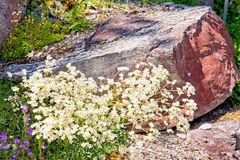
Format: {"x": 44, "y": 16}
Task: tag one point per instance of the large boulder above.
{"x": 192, "y": 43}
{"x": 11, "y": 11}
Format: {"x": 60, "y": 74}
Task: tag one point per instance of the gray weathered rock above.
{"x": 206, "y": 2}
{"x": 217, "y": 143}
{"x": 192, "y": 43}
{"x": 237, "y": 136}
{"x": 11, "y": 11}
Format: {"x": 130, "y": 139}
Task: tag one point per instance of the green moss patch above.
{"x": 31, "y": 34}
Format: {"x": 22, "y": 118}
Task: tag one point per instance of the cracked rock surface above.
{"x": 11, "y": 11}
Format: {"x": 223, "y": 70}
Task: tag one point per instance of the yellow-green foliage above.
{"x": 233, "y": 24}
{"x": 231, "y": 116}
{"x": 30, "y": 34}
{"x": 38, "y": 30}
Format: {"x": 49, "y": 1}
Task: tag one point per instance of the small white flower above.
{"x": 9, "y": 74}
{"x": 122, "y": 69}
{"x": 151, "y": 125}
{"x": 72, "y": 98}
{"x": 169, "y": 130}
{"x": 38, "y": 117}
{"x": 101, "y": 78}
{"x": 131, "y": 133}
{"x": 24, "y": 72}
{"x": 49, "y": 57}
{"x": 138, "y": 126}
{"x": 68, "y": 65}
{"x": 15, "y": 89}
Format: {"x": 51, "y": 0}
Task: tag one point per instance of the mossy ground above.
{"x": 37, "y": 30}
{"x": 7, "y": 118}
{"x": 31, "y": 34}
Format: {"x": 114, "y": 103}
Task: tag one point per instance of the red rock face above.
{"x": 7, "y": 18}
{"x": 205, "y": 59}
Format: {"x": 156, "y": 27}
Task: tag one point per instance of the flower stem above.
{"x": 40, "y": 147}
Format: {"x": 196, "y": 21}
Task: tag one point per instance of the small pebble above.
{"x": 205, "y": 126}
{"x": 181, "y": 135}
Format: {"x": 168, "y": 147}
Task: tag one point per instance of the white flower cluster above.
{"x": 68, "y": 104}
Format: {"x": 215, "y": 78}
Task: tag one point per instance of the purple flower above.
{"x": 4, "y": 146}
{"x": 14, "y": 156}
{"x": 25, "y": 142}
{"x": 24, "y": 108}
{"x": 24, "y": 146}
{"x": 29, "y": 131}
{"x": 43, "y": 146}
{"x": 27, "y": 119}
{"x": 29, "y": 152}
{"x": 16, "y": 141}
{"x": 3, "y": 137}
